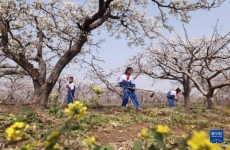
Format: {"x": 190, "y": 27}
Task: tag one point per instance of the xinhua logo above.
{"x": 216, "y": 136}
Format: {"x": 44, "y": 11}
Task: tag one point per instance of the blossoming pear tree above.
{"x": 42, "y": 37}
{"x": 203, "y": 62}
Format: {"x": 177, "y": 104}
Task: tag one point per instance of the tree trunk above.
{"x": 186, "y": 93}
{"x": 186, "y": 99}
{"x": 41, "y": 95}
{"x": 209, "y": 101}
{"x": 187, "y": 90}
{"x": 211, "y": 97}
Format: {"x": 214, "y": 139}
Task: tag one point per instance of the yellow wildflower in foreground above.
{"x": 144, "y": 134}
{"x": 201, "y": 140}
{"x": 27, "y": 127}
{"x": 53, "y": 96}
{"x": 36, "y": 143}
{"x": 57, "y": 146}
{"x": 77, "y": 109}
{"x": 34, "y": 127}
{"x": 183, "y": 135}
{"x": 54, "y": 135}
{"x": 90, "y": 142}
{"x": 97, "y": 90}
{"x": 26, "y": 146}
{"x": 162, "y": 129}
{"x": 14, "y": 132}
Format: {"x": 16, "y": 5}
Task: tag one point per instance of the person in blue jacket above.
{"x": 127, "y": 80}
{"x": 71, "y": 90}
{"x": 173, "y": 96}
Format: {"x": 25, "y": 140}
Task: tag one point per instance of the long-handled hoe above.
{"x": 153, "y": 92}
{"x": 143, "y": 90}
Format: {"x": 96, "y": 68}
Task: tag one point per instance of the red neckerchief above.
{"x": 127, "y": 79}
{"x": 177, "y": 93}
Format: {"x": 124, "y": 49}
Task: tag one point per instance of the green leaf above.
{"x": 137, "y": 145}
{"x": 66, "y": 148}
{"x": 75, "y": 127}
{"x": 152, "y": 147}
{"x": 108, "y": 147}
{"x": 159, "y": 138}
{"x": 98, "y": 147}
{"x": 157, "y": 135}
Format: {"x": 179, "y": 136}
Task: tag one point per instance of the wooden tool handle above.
{"x": 141, "y": 89}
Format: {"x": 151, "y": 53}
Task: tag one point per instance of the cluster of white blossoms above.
{"x": 63, "y": 20}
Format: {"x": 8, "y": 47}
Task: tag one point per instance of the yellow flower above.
{"x": 53, "y": 96}
{"x": 14, "y": 132}
{"x": 36, "y": 143}
{"x": 76, "y": 109}
{"x": 53, "y": 135}
{"x": 57, "y": 146}
{"x": 10, "y": 115}
{"x": 90, "y": 142}
{"x": 51, "y": 138}
{"x": 192, "y": 126}
{"x": 227, "y": 148}
{"x": 183, "y": 135}
{"x": 162, "y": 129}
{"x": 27, "y": 127}
{"x": 47, "y": 144}
{"x": 201, "y": 140}
{"x": 26, "y": 146}
{"x": 204, "y": 97}
{"x": 34, "y": 127}
{"x": 144, "y": 134}
{"x": 97, "y": 90}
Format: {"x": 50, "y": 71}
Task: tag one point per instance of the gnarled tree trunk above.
{"x": 210, "y": 99}
{"x": 187, "y": 90}
{"x": 211, "y": 96}
{"x": 186, "y": 98}
{"x": 41, "y": 94}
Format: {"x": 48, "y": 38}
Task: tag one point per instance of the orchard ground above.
{"x": 114, "y": 125}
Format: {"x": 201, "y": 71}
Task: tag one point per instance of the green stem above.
{"x": 68, "y": 131}
{"x": 29, "y": 136}
{"x": 145, "y": 145}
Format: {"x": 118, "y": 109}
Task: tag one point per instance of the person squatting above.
{"x": 127, "y": 80}
{"x": 173, "y": 96}
{"x": 70, "y": 91}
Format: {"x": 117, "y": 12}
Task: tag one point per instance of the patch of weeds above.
{"x": 177, "y": 119}
{"x": 197, "y": 112}
{"x": 130, "y": 109}
{"x": 178, "y": 108}
{"x": 126, "y": 119}
{"x": 56, "y": 107}
{"x": 20, "y": 118}
{"x": 197, "y": 122}
{"x": 83, "y": 100}
{"x": 215, "y": 124}
{"x": 56, "y": 110}
{"x": 143, "y": 118}
{"x": 97, "y": 119}
{"x": 31, "y": 116}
